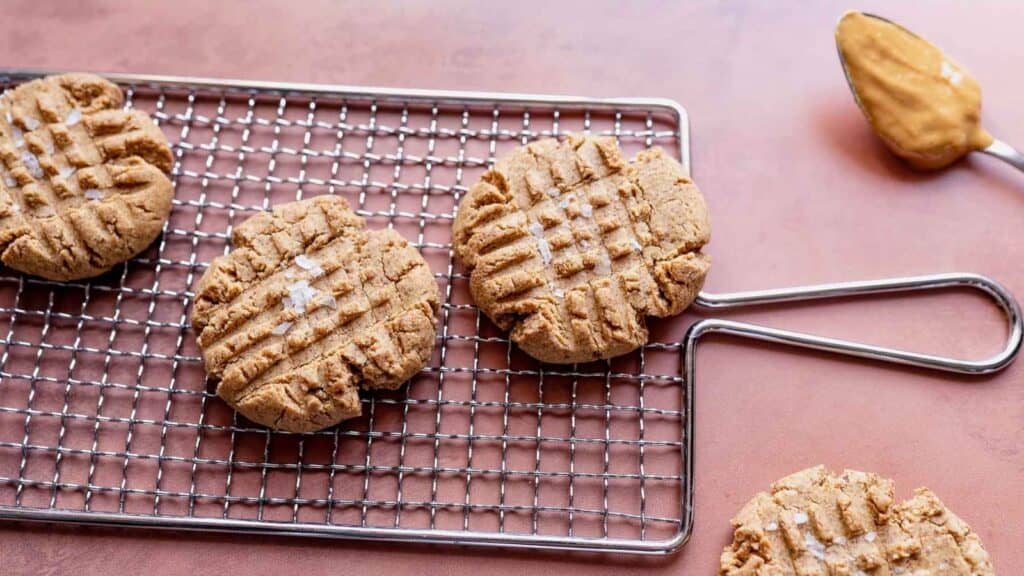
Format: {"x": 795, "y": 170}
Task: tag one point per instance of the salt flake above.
{"x": 31, "y": 123}
{"x": 7, "y": 116}
{"x": 329, "y": 301}
{"x": 800, "y": 518}
{"x": 281, "y": 328}
{"x": 587, "y": 210}
{"x": 309, "y": 264}
{"x": 300, "y": 294}
{"x": 604, "y": 266}
{"x": 554, "y": 192}
{"x": 814, "y": 546}
{"x": 545, "y": 250}
{"x": 18, "y": 135}
{"x": 635, "y": 245}
{"x": 94, "y": 194}
{"x": 9, "y": 181}
{"x": 952, "y": 74}
{"x": 73, "y": 117}
{"x": 67, "y": 171}
{"x": 536, "y": 229}
{"x": 870, "y": 537}
{"x": 772, "y": 527}
{"x": 32, "y": 164}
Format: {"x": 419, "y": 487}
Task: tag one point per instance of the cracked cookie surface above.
{"x": 309, "y": 308}
{"x": 82, "y": 181}
{"x": 570, "y": 247}
{"x": 816, "y": 523}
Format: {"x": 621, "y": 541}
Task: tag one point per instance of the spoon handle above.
{"x": 1006, "y": 153}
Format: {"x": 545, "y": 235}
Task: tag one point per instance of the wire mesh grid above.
{"x": 105, "y": 415}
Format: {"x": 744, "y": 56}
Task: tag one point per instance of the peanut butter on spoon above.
{"x": 925, "y": 107}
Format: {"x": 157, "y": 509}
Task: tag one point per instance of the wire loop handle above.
{"x": 994, "y": 363}
{"x": 1002, "y": 297}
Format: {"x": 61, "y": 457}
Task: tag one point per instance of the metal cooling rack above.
{"x": 105, "y": 416}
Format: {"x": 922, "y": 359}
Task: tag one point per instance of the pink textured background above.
{"x": 799, "y": 191}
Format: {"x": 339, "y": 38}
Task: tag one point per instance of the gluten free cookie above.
{"x": 82, "y": 181}
{"x": 308, "y": 309}
{"x": 570, "y": 247}
{"x": 816, "y": 523}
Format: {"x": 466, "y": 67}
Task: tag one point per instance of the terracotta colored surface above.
{"x": 799, "y": 192}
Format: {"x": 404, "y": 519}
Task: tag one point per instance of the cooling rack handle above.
{"x": 843, "y": 289}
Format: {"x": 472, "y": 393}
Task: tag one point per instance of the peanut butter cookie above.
{"x": 309, "y": 308}
{"x": 82, "y": 181}
{"x": 816, "y": 523}
{"x": 570, "y": 247}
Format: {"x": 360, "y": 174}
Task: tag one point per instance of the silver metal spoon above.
{"x": 997, "y": 148}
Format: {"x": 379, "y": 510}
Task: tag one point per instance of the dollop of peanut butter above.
{"x": 925, "y": 107}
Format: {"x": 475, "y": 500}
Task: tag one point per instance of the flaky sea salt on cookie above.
{"x": 308, "y": 309}
{"x": 570, "y": 247}
{"x": 814, "y": 523}
{"x": 82, "y": 181}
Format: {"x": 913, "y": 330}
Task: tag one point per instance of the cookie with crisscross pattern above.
{"x": 570, "y": 247}
{"x": 83, "y": 184}
{"x": 815, "y": 523}
{"x": 308, "y": 309}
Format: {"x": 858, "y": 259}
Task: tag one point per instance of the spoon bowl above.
{"x": 995, "y": 148}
